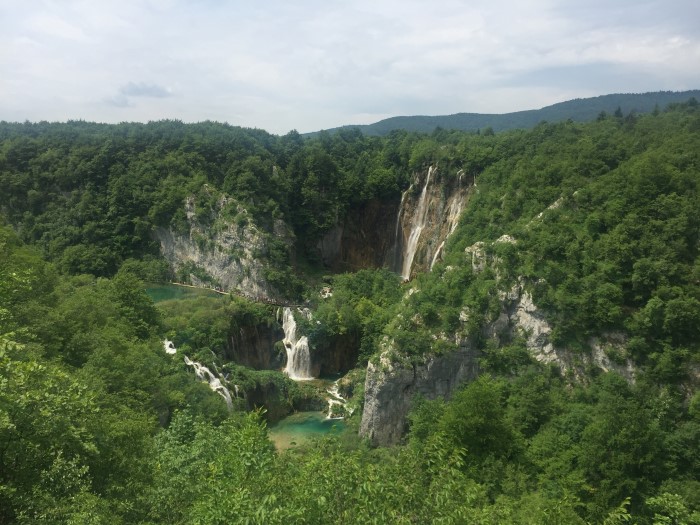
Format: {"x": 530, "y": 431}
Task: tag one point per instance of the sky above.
{"x": 316, "y": 64}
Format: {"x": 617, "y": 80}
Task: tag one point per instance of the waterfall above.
{"x": 169, "y": 347}
{"x": 398, "y": 237}
{"x": 437, "y": 255}
{"x": 204, "y": 374}
{"x": 337, "y": 400}
{"x": 298, "y": 355}
{"x": 417, "y": 225}
{"x": 453, "y": 212}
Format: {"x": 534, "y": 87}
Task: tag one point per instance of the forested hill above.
{"x": 589, "y": 232}
{"x": 578, "y": 110}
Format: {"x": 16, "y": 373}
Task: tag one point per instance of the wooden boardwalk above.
{"x": 238, "y": 293}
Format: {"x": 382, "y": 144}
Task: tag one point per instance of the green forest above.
{"x": 579, "y": 110}
{"x": 99, "y": 425}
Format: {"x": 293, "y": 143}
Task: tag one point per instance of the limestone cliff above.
{"x": 428, "y": 214}
{"x": 519, "y": 316}
{"x": 605, "y": 352}
{"x": 406, "y": 236}
{"x": 254, "y": 347}
{"x": 393, "y": 382}
{"x": 365, "y": 239}
{"x": 221, "y": 247}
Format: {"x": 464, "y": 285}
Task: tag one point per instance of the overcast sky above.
{"x": 309, "y": 65}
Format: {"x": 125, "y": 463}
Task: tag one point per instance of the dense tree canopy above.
{"x": 99, "y": 425}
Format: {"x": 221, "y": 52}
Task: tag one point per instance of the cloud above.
{"x": 141, "y": 89}
{"x": 276, "y": 66}
{"x": 118, "y": 101}
{"x": 123, "y": 99}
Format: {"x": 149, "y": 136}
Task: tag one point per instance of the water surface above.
{"x": 300, "y": 428}
{"x": 167, "y": 292}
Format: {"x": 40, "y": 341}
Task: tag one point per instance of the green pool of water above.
{"x": 167, "y": 292}
{"x": 301, "y": 427}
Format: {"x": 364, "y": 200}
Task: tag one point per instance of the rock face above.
{"x": 223, "y": 248}
{"x": 428, "y": 214}
{"x": 519, "y": 316}
{"x": 337, "y": 357}
{"x": 527, "y": 320}
{"x": 406, "y": 236}
{"x": 391, "y": 385}
{"x": 365, "y": 239}
{"x": 254, "y": 347}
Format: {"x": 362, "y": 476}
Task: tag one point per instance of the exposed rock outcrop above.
{"x": 391, "y": 385}
{"x": 406, "y": 236}
{"x": 520, "y": 316}
{"x": 222, "y": 247}
{"x": 254, "y": 347}
{"x": 606, "y": 352}
{"x": 365, "y": 239}
{"x": 427, "y": 217}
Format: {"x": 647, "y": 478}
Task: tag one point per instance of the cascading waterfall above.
{"x": 398, "y": 240}
{"x": 215, "y": 383}
{"x": 337, "y": 400}
{"x": 437, "y": 254}
{"x": 453, "y": 213}
{"x": 417, "y": 225}
{"x": 298, "y": 355}
{"x": 169, "y": 347}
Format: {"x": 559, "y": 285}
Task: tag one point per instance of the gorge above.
{"x": 524, "y": 351}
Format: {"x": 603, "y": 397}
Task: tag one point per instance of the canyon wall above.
{"x": 222, "y": 248}
{"x": 254, "y": 347}
{"x": 406, "y": 236}
{"x": 393, "y": 382}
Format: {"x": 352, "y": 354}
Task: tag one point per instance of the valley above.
{"x": 201, "y": 323}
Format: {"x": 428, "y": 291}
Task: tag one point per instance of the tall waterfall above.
{"x": 453, "y": 213}
{"x": 417, "y": 225}
{"x": 204, "y": 374}
{"x": 298, "y": 355}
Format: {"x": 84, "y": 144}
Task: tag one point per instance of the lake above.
{"x": 301, "y": 427}
{"x": 167, "y": 292}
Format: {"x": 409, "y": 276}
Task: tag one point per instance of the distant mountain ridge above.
{"x": 579, "y": 110}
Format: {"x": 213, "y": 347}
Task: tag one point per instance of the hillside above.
{"x": 508, "y": 323}
{"x": 578, "y": 110}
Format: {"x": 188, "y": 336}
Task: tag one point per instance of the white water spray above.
{"x": 417, "y": 225}
{"x": 437, "y": 255}
{"x": 453, "y": 213}
{"x": 298, "y": 355}
{"x": 204, "y": 374}
{"x": 169, "y": 347}
{"x": 337, "y": 400}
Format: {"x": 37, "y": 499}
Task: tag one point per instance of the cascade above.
{"x": 417, "y": 224}
{"x": 453, "y": 213}
{"x": 204, "y": 374}
{"x": 169, "y": 347}
{"x": 437, "y": 254}
{"x": 398, "y": 241}
{"x": 298, "y": 354}
{"x": 337, "y": 400}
